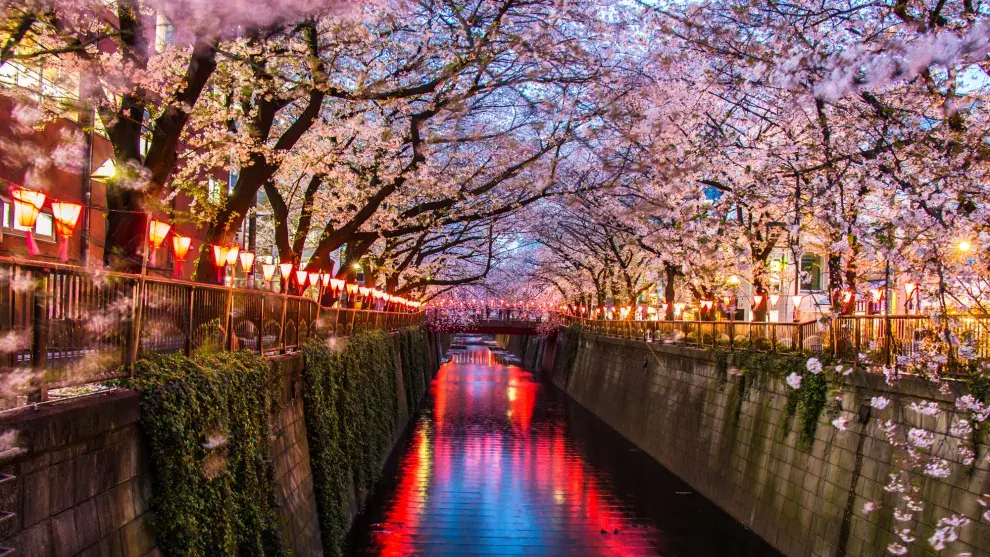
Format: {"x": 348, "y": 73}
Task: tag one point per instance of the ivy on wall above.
{"x": 206, "y": 418}
{"x": 351, "y": 403}
{"x": 806, "y": 402}
{"x": 567, "y": 344}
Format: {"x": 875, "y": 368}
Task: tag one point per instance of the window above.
{"x": 811, "y": 273}
{"x": 44, "y": 227}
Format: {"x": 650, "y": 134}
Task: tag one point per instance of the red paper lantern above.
{"x": 247, "y": 261}
{"x": 180, "y": 248}
{"x": 268, "y": 271}
{"x": 66, "y": 217}
{"x": 27, "y": 206}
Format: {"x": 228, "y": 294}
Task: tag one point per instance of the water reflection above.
{"x": 494, "y": 467}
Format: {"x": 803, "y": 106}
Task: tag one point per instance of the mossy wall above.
{"x": 358, "y": 395}
{"x": 211, "y": 454}
{"x": 772, "y": 459}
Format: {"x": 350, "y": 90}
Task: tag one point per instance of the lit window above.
{"x": 811, "y": 273}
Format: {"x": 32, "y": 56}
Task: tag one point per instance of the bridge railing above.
{"x": 857, "y": 339}
{"x": 64, "y": 327}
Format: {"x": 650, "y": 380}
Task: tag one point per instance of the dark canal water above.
{"x": 502, "y": 464}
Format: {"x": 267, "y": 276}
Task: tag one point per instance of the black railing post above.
{"x": 190, "y": 321}
{"x": 39, "y": 345}
{"x": 261, "y": 325}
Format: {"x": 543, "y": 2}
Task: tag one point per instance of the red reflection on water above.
{"x": 482, "y": 475}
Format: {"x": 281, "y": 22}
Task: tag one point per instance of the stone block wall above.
{"x": 742, "y": 452}
{"x": 78, "y": 482}
{"x": 294, "y": 494}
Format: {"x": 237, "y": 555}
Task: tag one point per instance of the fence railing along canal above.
{"x": 63, "y": 326}
{"x": 856, "y": 339}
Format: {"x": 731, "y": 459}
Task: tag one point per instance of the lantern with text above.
{"x": 157, "y": 231}
{"x": 27, "y": 206}
{"x": 66, "y": 217}
{"x": 180, "y": 249}
{"x": 220, "y": 261}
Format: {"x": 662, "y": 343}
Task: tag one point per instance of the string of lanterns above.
{"x": 28, "y": 205}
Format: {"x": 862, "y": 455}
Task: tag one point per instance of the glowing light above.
{"x": 314, "y": 279}
{"x": 247, "y": 261}
{"x": 27, "y": 205}
{"x": 232, "y": 253}
{"x": 285, "y": 269}
{"x": 774, "y": 298}
{"x": 66, "y": 216}
{"x": 964, "y": 246}
{"x": 798, "y": 298}
{"x": 336, "y": 284}
{"x": 352, "y": 289}
{"x": 157, "y": 231}
{"x": 268, "y": 271}
{"x": 325, "y": 279}
{"x": 301, "y": 277}
{"x": 876, "y": 293}
{"x": 733, "y": 281}
{"x": 180, "y": 249}
{"x": 219, "y": 255}
{"x": 757, "y": 300}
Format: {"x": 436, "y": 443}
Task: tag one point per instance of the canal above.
{"x": 499, "y": 463}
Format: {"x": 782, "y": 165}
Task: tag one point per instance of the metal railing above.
{"x": 63, "y": 326}
{"x": 857, "y": 339}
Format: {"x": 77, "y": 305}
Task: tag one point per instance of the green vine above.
{"x": 351, "y": 402}
{"x": 206, "y": 418}
{"x": 807, "y": 402}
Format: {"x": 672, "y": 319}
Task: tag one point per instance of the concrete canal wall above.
{"x": 742, "y": 452}
{"x": 79, "y": 480}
